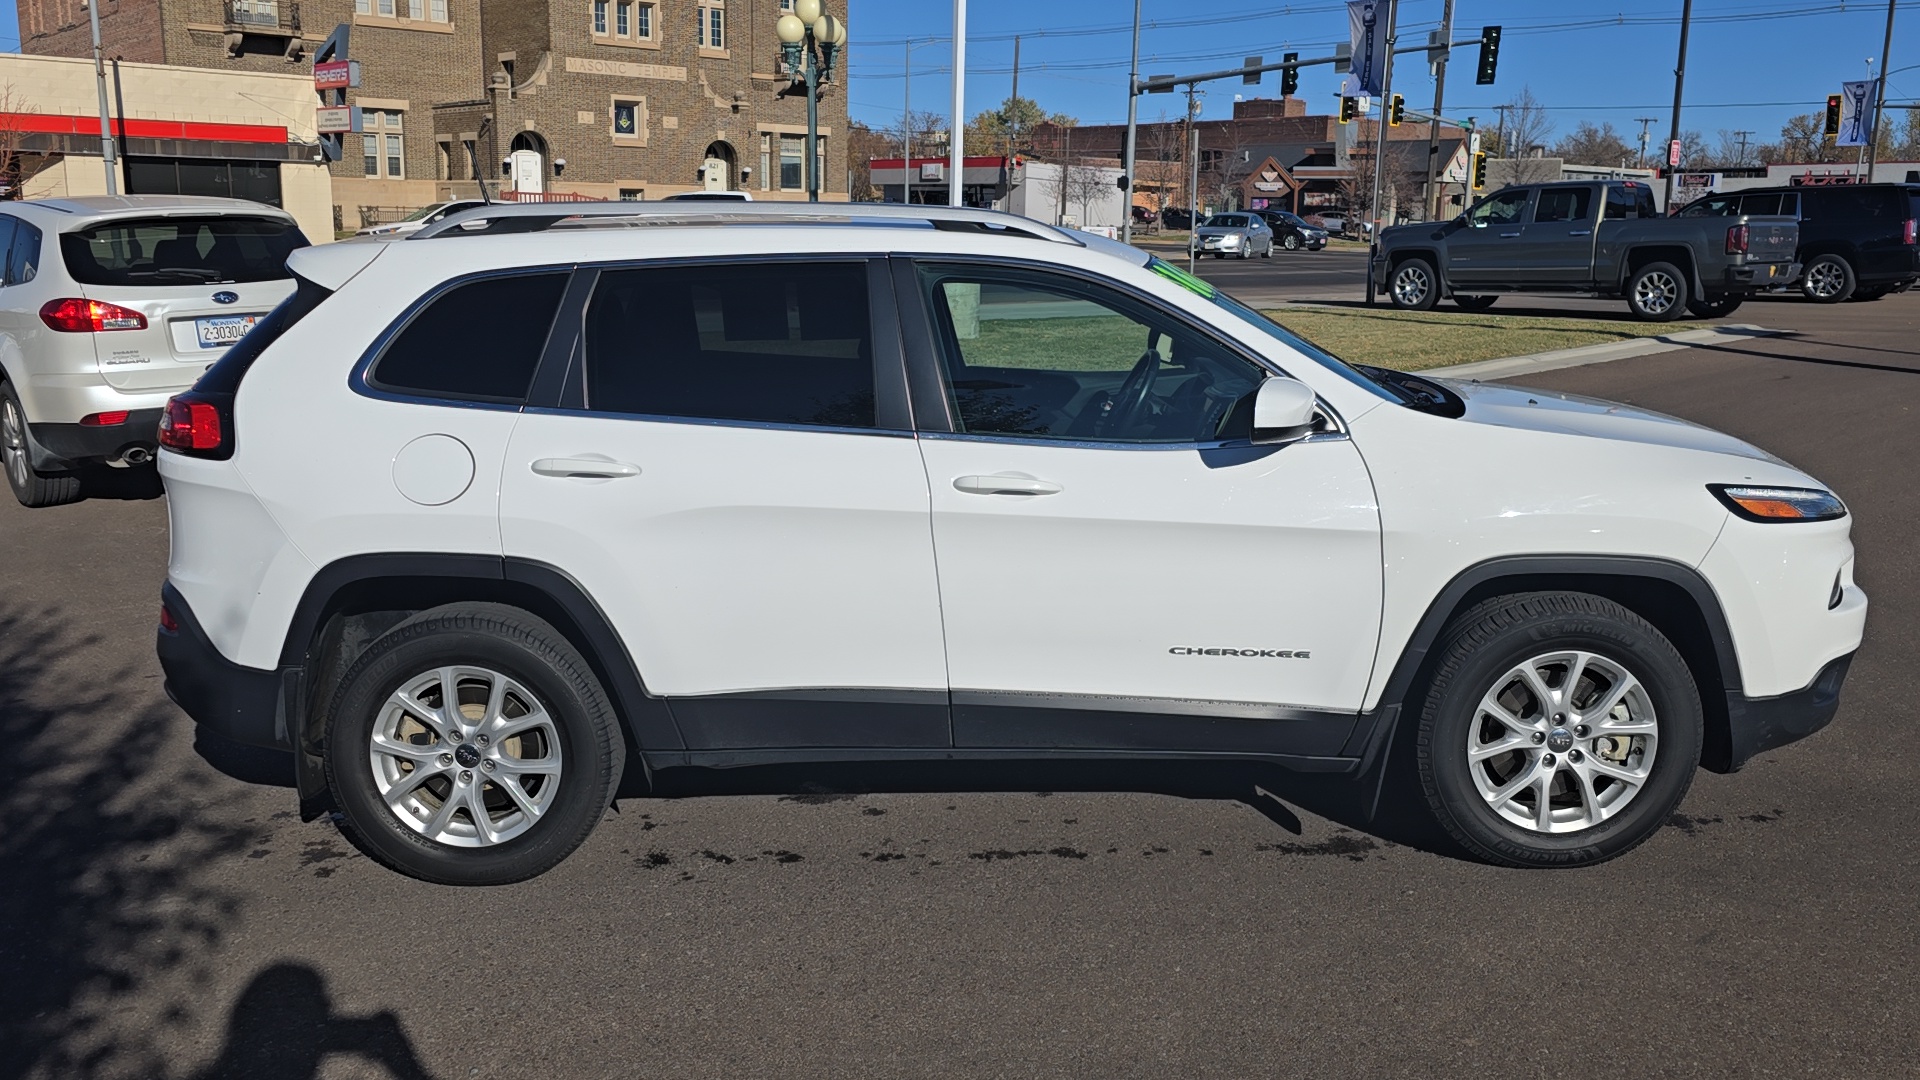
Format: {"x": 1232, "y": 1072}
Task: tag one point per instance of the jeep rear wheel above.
{"x": 472, "y": 745}
{"x": 1560, "y": 729}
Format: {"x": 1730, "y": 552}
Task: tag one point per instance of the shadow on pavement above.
{"x": 133, "y": 484}
{"x": 100, "y": 850}
{"x": 1708, "y": 347}
{"x": 283, "y": 1026}
{"x": 258, "y": 765}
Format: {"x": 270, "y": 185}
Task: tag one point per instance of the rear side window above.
{"x": 23, "y": 264}
{"x": 1761, "y": 205}
{"x": 1563, "y": 204}
{"x": 773, "y": 343}
{"x": 181, "y": 251}
{"x": 6, "y": 239}
{"x": 478, "y": 341}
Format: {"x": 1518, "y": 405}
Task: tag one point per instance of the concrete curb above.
{"x": 1508, "y": 366}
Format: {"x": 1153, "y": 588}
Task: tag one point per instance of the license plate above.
{"x": 223, "y": 330}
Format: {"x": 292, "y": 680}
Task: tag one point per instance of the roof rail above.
{"x": 499, "y": 218}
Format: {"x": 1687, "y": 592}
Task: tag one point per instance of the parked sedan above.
{"x": 1241, "y": 234}
{"x": 1292, "y": 232}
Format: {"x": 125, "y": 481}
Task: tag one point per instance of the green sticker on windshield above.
{"x": 1182, "y": 278}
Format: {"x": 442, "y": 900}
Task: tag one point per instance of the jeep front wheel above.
{"x": 1560, "y": 729}
{"x": 472, "y": 745}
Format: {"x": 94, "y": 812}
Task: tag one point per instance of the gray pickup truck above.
{"x": 1586, "y": 239}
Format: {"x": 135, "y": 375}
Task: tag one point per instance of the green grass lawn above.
{"x": 1411, "y": 340}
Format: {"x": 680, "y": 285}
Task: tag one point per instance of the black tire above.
{"x": 1828, "y": 279}
{"x": 1291, "y": 241}
{"x": 509, "y": 643}
{"x": 1657, "y": 292}
{"x": 34, "y": 489}
{"x": 1479, "y": 653}
{"x": 1474, "y": 303}
{"x": 1867, "y": 296}
{"x": 1702, "y": 308}
{"x": 1220, "y": 255}
{"x": 1413, "y": 285}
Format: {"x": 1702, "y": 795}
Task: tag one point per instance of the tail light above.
{"x": 1913, "y": 228}
{"x": 1737, "y": 240}
{"x": 72, "y": 315}
{"x": 169, "y": 622}
{"x": 195, "y": 424}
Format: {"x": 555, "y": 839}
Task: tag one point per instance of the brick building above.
{"x": 599, "y": 98}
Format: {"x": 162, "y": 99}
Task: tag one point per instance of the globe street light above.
{"x": 809, "y": 38}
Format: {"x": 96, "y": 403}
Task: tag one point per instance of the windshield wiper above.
{"x": 195, "y": 273}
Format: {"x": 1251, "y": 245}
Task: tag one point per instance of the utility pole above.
{"x": 100, "y": 81}
{"x": 1380, "y": 131}
{"x": 1880, "y": 94}
{"x": 1501, "y": 131}
{"x": 1193, "y": 175}
{"x": 1679, "y": 85}
{"x": 1742, "y": 160}
{"x": 957, "y": 141}
{"x": 1133, "y": 128}
{"x": 1644, "y": 122}
{"x": 1860, "y": 159}
{"x": 1439, "y": 101}
{"x": 906, "y": 130}
{"x": 1013, "y": 121}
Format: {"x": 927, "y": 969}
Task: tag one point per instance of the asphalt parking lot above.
{"x": 166, "y": 915}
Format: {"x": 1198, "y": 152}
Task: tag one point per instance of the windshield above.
{"x": 181, "y": 251}
{"x": 1274, "y": 330}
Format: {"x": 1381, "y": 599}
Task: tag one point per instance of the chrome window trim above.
{"x": 707, "y": 421}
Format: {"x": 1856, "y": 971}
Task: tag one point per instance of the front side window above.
{"x": 181, "y": 251}
{"x": 1504, "y": 208}
{"x": 1564, "y": 204}
{"x": 1712, "y": 206}
{"x": 763, "y": 343}
{"x": 1039, "y": 355}
{"x": 477, "y": 341}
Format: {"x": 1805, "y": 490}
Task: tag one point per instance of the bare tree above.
{"x": 1526, "y": 126}
{"x": 1591, "y": 145}
{"x": 16, "y": 162}
{"x": 1084, "y": 183}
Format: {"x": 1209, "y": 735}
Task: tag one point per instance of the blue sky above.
{"x": 1753, "y": 63}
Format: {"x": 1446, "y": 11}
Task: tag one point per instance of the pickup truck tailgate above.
{"x": 1772, "y": 239}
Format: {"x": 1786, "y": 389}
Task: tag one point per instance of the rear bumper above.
{"x": 1757, "y": 276}
{"x": 61, "y": 445}
{"x": 240, "y": 703}
{"x": 1756, "y": 725}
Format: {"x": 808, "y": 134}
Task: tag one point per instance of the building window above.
{"x": 437, "y": 10}
{"x": 623, "y": 19}
{"x": 386, "y": 8}
{"x": 363, "y": 7}
{"x": 370, "y": 154}
{"x": 600, "y": 17}
{"x": 632, "y": 194}
{"x": 382, "y": 133}
{"x": 643, "y": 21}
{"x": 793, "y": 158}
{"x": 629, "y": 120}
{"x": 712, "y": 25}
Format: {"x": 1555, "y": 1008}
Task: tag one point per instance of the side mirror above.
{"x": 1283, "y": 412}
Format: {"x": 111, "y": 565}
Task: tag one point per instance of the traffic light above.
{"x": 1349, "y": 108}
{"x": 1489, "y": 55}
{"x": 1480, "y": 171}
{"x": 1289, "y": 77}
{"x": 1396, "y": 111}
{"x": 1833, "y": 115}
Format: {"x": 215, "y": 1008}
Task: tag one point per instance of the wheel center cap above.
{"x": 468, "y": 757}
{"x": 1559, "y": 740}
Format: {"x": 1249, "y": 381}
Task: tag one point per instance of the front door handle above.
{"x": 1005, "y": 485}
{"x": 585, "y": 468}
{"x": 1508, "y": 235}
{"x": 1580, "y": 232}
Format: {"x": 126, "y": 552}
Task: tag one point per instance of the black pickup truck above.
{"x": 1586, "y": 239}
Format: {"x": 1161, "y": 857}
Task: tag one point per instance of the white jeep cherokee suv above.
{"x": 110, "y": 304}
{"x": 476, "y": 515}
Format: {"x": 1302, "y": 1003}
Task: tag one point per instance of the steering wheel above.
{"x": 1131, "y": 398}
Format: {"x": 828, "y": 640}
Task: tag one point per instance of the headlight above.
{"x": 1780, "y": 503}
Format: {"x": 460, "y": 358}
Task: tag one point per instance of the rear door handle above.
{"x": 1508, "y": 235}
{"x": 585, "y": 468}
{"x": 1580, "y": 232}
{"x": 1005, "y": 485}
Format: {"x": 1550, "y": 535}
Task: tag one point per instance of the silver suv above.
{"x": 107, "y": 306}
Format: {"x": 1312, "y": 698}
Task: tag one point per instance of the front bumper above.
{"x": 1756, "y": 725}
{"x": 240, "y": 703}
{"x": 59, "y": 446}
{"x": 1754, "y": 277}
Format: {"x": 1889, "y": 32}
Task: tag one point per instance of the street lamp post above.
{"x": 809, "y": 38}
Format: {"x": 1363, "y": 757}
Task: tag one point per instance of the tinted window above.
{"x": 181, "y": 251}
{"x": 772, "y": 343}
{"x": 1621, "y": 203}
{"x": 1765, "y": 205}
{"x": 23, "y": 265}
{"x": 481, "y": 340}
{"x": 1504, "y": 208}
{"x": 1643, "y": 202}
{"x": 1860, "y": 203}
{"x": 1564, "y": 204}
{"x": 6, "y": 239}
{"x": 1706, "y": 206}
{"x": 1041, "y": 355}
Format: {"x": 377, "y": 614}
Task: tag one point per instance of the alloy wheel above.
{"x": 13, "y": 444}
{"x": 466, "y": 756}
{"x": 1562, "y": 742}
{"x": 1411, "y": 284}
{"x": 1656, "y": 293}
{"x": 1826, "y": 280}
